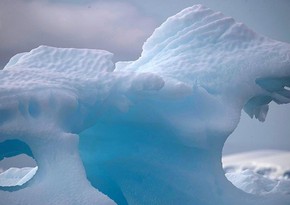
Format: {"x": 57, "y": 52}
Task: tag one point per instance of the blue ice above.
{"x": 145, "y": 132}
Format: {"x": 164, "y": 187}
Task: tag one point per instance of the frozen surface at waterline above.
{"x": 259, "y": 172}
{"x": 16, "y": 176}
{"x": 144, "y": 132}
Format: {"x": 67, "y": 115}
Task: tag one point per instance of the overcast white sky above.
{"x": 122, "y": 26}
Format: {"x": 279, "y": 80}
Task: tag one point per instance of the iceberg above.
{"x": 16, "y": 176}
{"x": 254, "y": 183}
{"x": 145, "y": 132}
{"x": 259, "y": 172}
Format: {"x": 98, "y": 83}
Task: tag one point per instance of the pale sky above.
{"x": 121, "y": 27}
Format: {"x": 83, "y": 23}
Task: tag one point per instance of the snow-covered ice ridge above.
{"x": 259, "y": 161}
{"x": 259, "y": 172}
{"x": 16, "y": 176}
{"x": 144, "y": 132}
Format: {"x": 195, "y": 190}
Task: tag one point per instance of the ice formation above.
{"x": 144, "y": 132}
{"x": 17, "y": 176}
{"x": 259, "y": 172}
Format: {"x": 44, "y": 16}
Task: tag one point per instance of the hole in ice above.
{"x": 17, "y": 165}
{"x": 255, "y": 155}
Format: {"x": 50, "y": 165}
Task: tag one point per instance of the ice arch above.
{"x": 152, "y": 130}
{"x": 16, "y": 178}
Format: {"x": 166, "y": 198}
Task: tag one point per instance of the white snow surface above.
{"x": 278, "y": 162}
{"x": 259, "y": 172}
{"x": 16, "y": 176}
{"x": 146, "y": 132}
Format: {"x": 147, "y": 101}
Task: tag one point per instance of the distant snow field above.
{"x": 17, "y": 176}
{"x": 259, "y": 172}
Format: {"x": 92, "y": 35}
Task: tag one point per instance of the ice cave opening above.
{"x": 252, "y": 160}
{"x": 18, "y": 165}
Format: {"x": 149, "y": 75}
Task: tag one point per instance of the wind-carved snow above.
{"x": 16, "y": 176}
{"x": 259, "y": 172}
{"x": 151, "y": 131}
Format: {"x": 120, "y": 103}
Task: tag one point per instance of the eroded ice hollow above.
{"x": 144, "y": 132}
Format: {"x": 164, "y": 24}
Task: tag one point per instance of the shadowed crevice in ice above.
{"x": 150, "y": 131}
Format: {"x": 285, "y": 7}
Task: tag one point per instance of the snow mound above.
{"x": 149, "y": 131}
{"x": 271, "y": 163}
{"x": 16, "y": 176}
{"x": 254, "y": 183}
{"x": 259, "y": 172}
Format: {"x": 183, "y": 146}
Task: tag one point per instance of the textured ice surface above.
{"x": 259, "y": 172}
{"x": 254, "y": 183}
{"x": 44, "y": 106}
{"x": 271, "y": 163}
{"x": 16, "y": 176}
{"x": 150, "y": 131}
